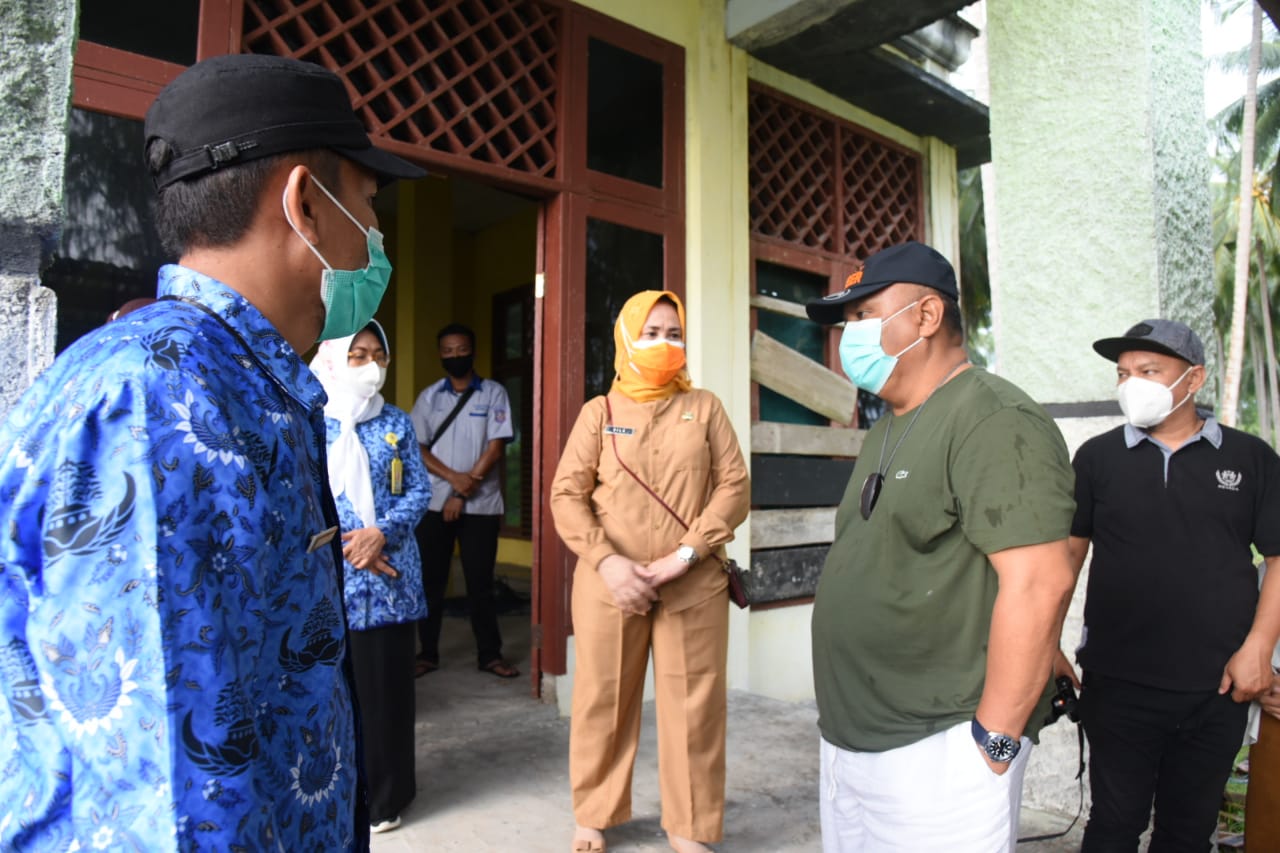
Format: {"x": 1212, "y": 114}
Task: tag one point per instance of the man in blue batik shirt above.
{"x": 172, "y": 653}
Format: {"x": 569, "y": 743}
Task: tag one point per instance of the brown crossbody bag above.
{"x": 737, "y": 589}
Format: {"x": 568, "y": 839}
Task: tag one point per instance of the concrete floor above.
{"x": 492, "y": 769}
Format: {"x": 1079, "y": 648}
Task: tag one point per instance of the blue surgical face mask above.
{"x": 863, "y": 359}
{"x": 350, "y": 296}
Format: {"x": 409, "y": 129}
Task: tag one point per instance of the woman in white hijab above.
{"x": 382, "y": 490}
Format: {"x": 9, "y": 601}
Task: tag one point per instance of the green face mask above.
{"x": 350, "y": 296}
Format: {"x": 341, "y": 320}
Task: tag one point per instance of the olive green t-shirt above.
{"x": 903, "y": 606}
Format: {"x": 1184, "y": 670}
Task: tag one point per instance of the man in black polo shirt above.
{"x": 1177, "y": 637}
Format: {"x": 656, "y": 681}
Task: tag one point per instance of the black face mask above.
{"x": 458, "y": 366}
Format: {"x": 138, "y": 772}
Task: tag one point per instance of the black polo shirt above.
{"x": 1172, "y": 584}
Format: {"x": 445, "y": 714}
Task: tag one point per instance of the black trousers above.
{"x": 477, "y": 538}
{"x": 383, "y": 662}
{"x": 1150, "y": 745}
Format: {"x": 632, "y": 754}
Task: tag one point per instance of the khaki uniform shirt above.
{"x": 685, "y": 449}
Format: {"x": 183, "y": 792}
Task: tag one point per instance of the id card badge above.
{"x": 319, "y": 540}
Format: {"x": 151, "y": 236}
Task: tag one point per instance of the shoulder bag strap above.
{"x": 609, "y": 411}
{"x": 457, "y": 407}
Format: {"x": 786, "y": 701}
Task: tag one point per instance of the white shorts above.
{"x": 935, "y": 794}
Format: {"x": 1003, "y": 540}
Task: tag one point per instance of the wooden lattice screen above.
{"x": 820, "y": 183}
{"x": 471, "y": 78}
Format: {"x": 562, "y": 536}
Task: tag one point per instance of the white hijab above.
{"x": 353, "y": 399}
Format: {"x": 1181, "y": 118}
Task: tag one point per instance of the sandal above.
{"x": 588, "y": 846}
{"x": 422, "y": 666}
{"x": 500, "y": 668}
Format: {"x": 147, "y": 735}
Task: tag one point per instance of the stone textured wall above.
{"x": 1102, "y": 207}
{"x": 36, "y": 42}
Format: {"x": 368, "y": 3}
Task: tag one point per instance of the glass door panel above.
{"x": 620, "y": 261}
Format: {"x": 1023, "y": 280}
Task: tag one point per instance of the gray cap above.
{"x": 1163, "y": 336}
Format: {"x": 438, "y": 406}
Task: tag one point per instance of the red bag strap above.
{"x": 613, "y": 435}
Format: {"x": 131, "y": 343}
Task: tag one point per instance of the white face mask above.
{"x": 364, "y": 381}
{"x": 1146, "y": 403}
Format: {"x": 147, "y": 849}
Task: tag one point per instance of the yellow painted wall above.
{"x": 444, "y": 275}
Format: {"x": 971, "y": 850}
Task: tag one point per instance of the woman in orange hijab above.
{"x": 649, "y": 488}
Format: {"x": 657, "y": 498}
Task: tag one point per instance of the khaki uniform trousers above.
{"x": 611, "y": 651}
{"x": 1262, "y": 800}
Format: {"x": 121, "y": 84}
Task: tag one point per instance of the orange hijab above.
{"x": 628, "y": 379}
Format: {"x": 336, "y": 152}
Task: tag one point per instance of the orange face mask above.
{"x": 657, "y": 361}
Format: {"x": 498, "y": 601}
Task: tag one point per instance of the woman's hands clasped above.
{"x": 635, "y": 586}
{"x": 631, "y": 592}
{"x": 362, "y": 548}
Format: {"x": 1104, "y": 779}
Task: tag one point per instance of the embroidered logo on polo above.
{"x": 902, "y": 475}
{"x": 1229, "y": 480}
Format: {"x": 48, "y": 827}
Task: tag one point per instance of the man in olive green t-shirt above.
{"x": 937, "y": 615}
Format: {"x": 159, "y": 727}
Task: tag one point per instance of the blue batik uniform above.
{"x": 171, "y": 626}
{"x": 374, "y": 600}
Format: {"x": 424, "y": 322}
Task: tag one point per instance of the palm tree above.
{"x": 1244, "y": 231}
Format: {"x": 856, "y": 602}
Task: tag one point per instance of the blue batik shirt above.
{"x": 171, "y": 625}
{"x": 374, "y": 600}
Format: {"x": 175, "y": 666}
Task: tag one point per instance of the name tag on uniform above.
{"x": 319, "y": 540}
{"x": 617, "y": 430}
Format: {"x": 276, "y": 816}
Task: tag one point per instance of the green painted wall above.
{"x": 1101, "y": 187}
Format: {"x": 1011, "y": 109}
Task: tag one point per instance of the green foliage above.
{"x": 1259, "y": 412}
{"x": 975, "y": 280}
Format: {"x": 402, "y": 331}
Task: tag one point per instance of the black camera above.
{"x": 1064, "y": 702}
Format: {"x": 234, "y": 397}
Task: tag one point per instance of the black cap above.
{"x": 909, "y": 262}
{"x": 1163, "y": 336}
{"x": 232, "y": 109}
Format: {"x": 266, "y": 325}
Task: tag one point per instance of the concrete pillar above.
{"x": 1101, "y": 203}
{"x": 36, "y": 41}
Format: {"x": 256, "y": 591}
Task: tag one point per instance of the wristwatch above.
{"x": 1000, "y": 748}
{"x": 687, "y": 554}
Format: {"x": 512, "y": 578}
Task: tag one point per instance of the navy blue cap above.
{"x": 232, "y": 109}
{"x": 910, "y": 263}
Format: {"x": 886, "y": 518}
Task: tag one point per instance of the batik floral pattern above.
{"x": 171, "y": 645}
{"x": 374, "y": 600}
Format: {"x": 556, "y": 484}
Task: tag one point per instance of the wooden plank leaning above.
{"x": 782, "y": 369}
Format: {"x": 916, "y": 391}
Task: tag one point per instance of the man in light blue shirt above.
{"x": 173, "y": 662}
{"x": 462, "y": 423}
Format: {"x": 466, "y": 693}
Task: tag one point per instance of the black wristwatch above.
{"x": 999, "y": 747}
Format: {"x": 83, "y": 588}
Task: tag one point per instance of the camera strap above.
{"x": 1079, "y": 782}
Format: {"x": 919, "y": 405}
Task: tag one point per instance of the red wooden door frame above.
{"x": 124, "y": 84}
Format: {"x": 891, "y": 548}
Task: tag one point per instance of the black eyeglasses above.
{"x": 871, "y": 493}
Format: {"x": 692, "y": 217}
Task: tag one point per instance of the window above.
{"x": 624, "y": 113}
{"x": 804, "y": 336}
{"x": 160, "y": 29}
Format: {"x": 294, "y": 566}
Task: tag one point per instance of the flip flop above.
{"x": 500, "y": 668}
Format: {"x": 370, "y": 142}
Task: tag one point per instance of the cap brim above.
{"x": 385, "y": 165}
{"x": 829, "y": 310}
{"x": 1112, "y": 348}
